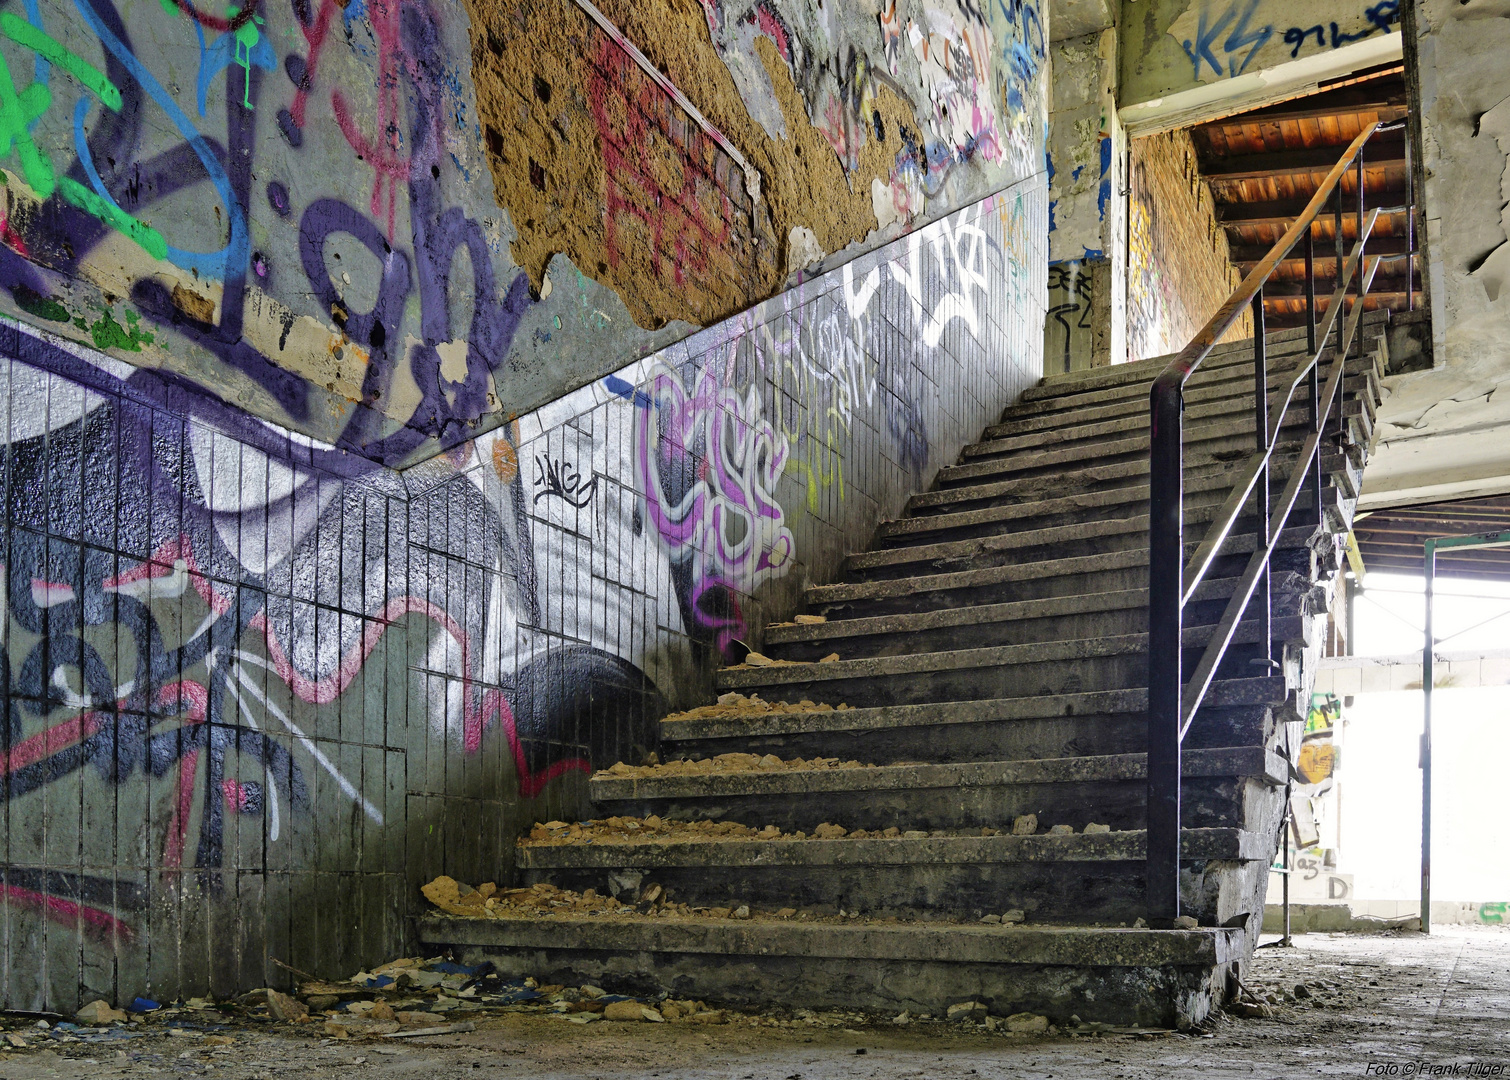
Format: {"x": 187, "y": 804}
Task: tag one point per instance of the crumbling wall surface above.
{"x": 852, "y": 117}
{"x": 291, "y": 205}
{"x": 1087, "y": 207}
{"x": 260, "y": 689}
{"x": 1178, "y": 270}
{"x": 1439, "y": 432}
{"x": 1233, "y": 47}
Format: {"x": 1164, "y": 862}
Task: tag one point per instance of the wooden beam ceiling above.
{"x": 1249, "y": 255}
{"x": 1318, "y": 159}
{"x": 1284, "y": 211}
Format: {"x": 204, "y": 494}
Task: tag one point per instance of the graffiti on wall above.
{"x": 238, "y": 640}
{"x": 1069, "y": 341}
{"x": 711, "y": 457}
{"x": 304, "y": 234}
{"x": 1225, "y": 38}
{"x": 204, "y": 656}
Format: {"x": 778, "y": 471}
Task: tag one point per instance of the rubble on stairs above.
{"x": 739, "y": 705}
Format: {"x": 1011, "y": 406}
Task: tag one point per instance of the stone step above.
{"x": 1236, "y": 712}
{"x": 1276, "y": 343}
{"x": 1074, "y": 791}
{"x": 1083, "y": 879}
{"x": 1063, "y": 430}
{"x": 992, "y": 484}
{"x": 1232, "y": 361}
{"x": 1204, "y": 444}
{"x": 1098, "y": 663}
{"x": 1156, "y": 978}
{"x": 1054, "y": 618}
{"x": 1014, "y": 581}
{"x": 927, "y": 553}
{"x": 1230, "y": 437}
{"x": 1039, "y": 503}
{"x": 1129, "y": 400}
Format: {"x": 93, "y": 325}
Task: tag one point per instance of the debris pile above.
{"x": 732, "y": 763}
{"x": 734, "y": 705}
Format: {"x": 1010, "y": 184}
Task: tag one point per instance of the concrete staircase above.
{"x": 993, "y": 659}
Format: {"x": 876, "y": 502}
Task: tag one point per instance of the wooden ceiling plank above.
{"x": 1292, "y": 162}
{"x": 1285, "y": 211}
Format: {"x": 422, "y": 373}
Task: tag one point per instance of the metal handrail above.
{"x": 1172, "y": 703}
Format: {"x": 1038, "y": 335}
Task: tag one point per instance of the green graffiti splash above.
{"x": 149, "y": 238}
{"x": 109, "y": 334}
{"x": 25, "y": 34}
{"x": 43, "y": 307}
{"x": 20, "y": 109}
{"x": 17, "y": 112}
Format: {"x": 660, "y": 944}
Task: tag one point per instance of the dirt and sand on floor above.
{"x": 1398, "y": 1004}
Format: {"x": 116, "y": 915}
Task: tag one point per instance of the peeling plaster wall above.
{"x": 374, "y": 224}
{"x": 1442, "y": 432}
{"x": 259, "y": 690}
{"x": 1179, "y": 263}
{"x": 1087, "y": 207}
{"x": 856, "y": 119}
{"x": 1215, "y": 53}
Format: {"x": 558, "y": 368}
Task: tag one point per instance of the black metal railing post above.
{"x": 1172, "y": 706}
{"x": 1166, "y": 569}
{"x": 1261, "y": 492}
{"x": 1410, "y": 227}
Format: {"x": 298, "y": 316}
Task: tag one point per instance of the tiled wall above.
{"x": 259, "y": 689}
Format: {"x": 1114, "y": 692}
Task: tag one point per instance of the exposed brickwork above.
{"x": 1179, "y": 268}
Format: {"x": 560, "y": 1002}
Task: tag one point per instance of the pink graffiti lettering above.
{"x": 683, "y": 227}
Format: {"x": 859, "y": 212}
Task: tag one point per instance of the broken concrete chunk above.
{"x": 809, "y": 620}
{"x": 755, "y": 659}
{"x": 1093, "y": 828}
{"x": 100, "y": 1013}
{"x": 831, "y": 658}
{"x": 1062, "y": 830}
{"x": 1185, "y": 922}
{"x": 830, "y": 832}
{"x": 623, "y": 1010}
{"x": 1013, "y": 916}
{"x": 1026, "y": 825}
{"x": 1027, "y": 1024}
{"x": 741, "y": 912}
{"x": 631, "y": 1012}
{"x": 1251, "y": 1010}
{"x": 287, "y": 1009}
{"x": 992, "y": 919}
{"x": 973, "y": 1012}
{"x": 445, "y": 892}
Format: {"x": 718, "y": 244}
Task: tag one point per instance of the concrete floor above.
{"x": 1380, "y": 1004}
